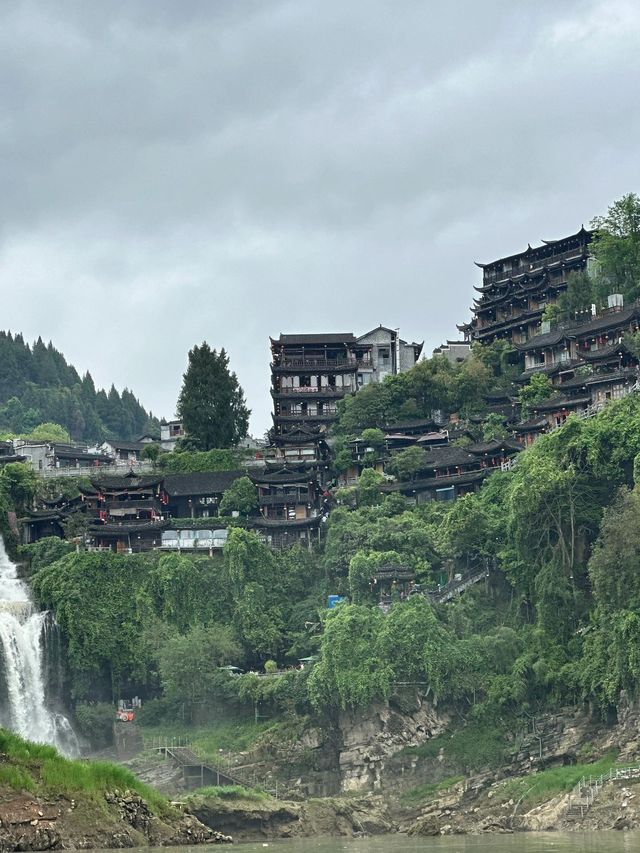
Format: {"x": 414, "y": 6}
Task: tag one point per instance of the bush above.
{"x": 95, "y": 722}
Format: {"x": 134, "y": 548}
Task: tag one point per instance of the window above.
{"x": 448, "y": 494}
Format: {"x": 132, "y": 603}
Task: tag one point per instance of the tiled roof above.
{"x": 200, "y": 482}
{"x": 561, "y": 402}
{"x": 331, "y": 338}
{"x": 494, "y": 446}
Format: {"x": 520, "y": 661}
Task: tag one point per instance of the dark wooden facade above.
{"x": 516, "y": 289}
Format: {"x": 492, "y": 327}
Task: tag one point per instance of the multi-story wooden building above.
{"x": 292, "y": 505}
{"x": 588, "y": 363}
{"x": 516, "y": 289}
{"x": 311, "y": 373}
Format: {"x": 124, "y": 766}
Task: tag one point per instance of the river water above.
{"x": 524, "y": 842}
{"x": 25, "y": 709}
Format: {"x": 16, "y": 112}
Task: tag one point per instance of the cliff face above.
{"x": 370, "y": 739}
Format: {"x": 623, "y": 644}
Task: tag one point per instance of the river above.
{"x": 530, "y": 842}
{"x": 523, "y": 842}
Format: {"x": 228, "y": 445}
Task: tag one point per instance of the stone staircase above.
{"x": 589, "y": 787}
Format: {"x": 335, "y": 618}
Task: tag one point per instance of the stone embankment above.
{"x": 123, "y": 820}
{"x": 248, "y": 820}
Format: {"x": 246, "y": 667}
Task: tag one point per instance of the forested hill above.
{"x": 38, "y": 385}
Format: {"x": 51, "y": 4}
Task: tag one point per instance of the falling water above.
{"x": 21, "y": 641}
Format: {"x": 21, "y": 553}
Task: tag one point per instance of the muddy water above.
{"x": 532, "y": 842}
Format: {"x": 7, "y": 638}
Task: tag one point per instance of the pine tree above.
{"x": 211, "y": 403}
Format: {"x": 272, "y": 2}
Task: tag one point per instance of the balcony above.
{"x": 132, "y": 506}
{"x": 536, "y": 266}
{"x": 322, "y": 364}
{"x": 326, "y": 393}
{"x": 284, "y": 500}
{"x": 323, "y": 417}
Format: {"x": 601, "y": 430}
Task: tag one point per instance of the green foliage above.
{"x": 45, "y": 551}
{"x": 18, "y": 484}
{"x": 530, "y": 790}
{"x": 187, "y": 462}
{"x": 350, "y": 673}
{"x": 536, "y": 391}
{"x": 493, "y": 427}
{"x": 151, "y": 451}
{"x": 42, "y": 771}
{"x": 583, "y": 291}
{"x": 95, "y": 723}
{"x": 40, "y": 392}
{"x": 49, "y": 432}
{"x": 241, "y": 497}
{"x": 432, "y": 385}
{"x": 428, "y": 791}
{"x": 407, "y": 464}
{"x": 189, "y": 665}
{"x": 616, "y": 246}
{"x": 373, "y": 437}
{"x": 211, "y": 403}
{"x": 94, "y": 599}
{"x": 362, "y": 567}
{"x": 473, "y": 747}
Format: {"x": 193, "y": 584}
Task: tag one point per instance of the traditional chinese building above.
{"x": 589, "y": 362}
{"x": 292, "y": 505}
{"x": 311, "y": 373}
{"x": 196, "y": 495}
{"x": 127, "y": 513}
{"x": 516, "y": 289}
{"x": 449, "y": 472}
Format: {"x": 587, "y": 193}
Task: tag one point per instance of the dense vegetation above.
{"x": 38, "y": 386}
{"x": 557, "y": 621}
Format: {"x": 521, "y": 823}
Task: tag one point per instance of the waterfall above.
{"x": 21, "y": 641}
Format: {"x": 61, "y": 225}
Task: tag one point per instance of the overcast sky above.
{"x": 173, "y": 171}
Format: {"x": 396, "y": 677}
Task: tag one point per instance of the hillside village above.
{"x": 584, "y": 359}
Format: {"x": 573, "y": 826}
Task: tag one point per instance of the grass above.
{"x": 470, "y": 748}
{"x": 237, "y": 735}
{"x": 41, "y": 769}
{"x": 538, "y": 787}
{"x": 230, "y": 792}
{"x": 428, "y": 791}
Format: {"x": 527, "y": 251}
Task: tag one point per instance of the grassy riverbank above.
{"x": 41, "y": 770}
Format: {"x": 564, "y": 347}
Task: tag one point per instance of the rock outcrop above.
{"x": 32, "y": 823}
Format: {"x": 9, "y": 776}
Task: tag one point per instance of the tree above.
{"x": 351, "y": 673}
{"x": 19, "y": 483}
{"x": 211, "y": 403}
{"x": 407, "y": 464}
{"x": 538, "y": 389}
{"x": 616, "y": 246}
{"x": 50, "y": 432}
{"x": 493, "y": 427}
{"x": 151, "y": 451}
{"x": 189, "y": 664}
{"x": 614, "y": 567}
{"x": 241, "y": 497}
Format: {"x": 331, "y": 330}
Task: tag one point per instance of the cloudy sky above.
{"x": 179, "y": 170}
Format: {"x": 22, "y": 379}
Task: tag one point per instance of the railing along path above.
{"x": 585, "y": 792}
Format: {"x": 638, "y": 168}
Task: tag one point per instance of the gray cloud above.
{"x": 179, "y": 171}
